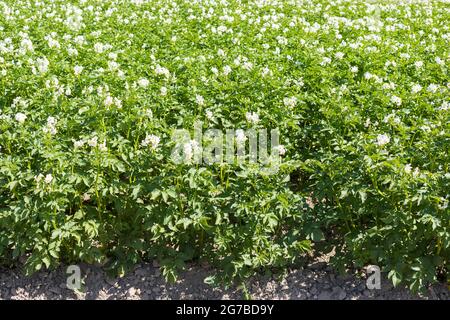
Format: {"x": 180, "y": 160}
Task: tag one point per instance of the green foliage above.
{"x": 87, "y": 112}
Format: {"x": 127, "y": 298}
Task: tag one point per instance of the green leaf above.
{"x": 317, "y": 235}
{"x": 395, "y": 277}
{"x": 46, "y": 261}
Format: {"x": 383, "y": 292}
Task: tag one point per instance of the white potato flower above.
{"x": 93, "y": 142}
{"x": 396, "y": 100}
{"x": 247, "y": 65}
{"x": 42, "y": 64}
{"x": 190, "y": 149}
{"x": 281, "y": 149}
{"x": 199, "y": 100}
{"x": 226, "y": 70}
{"x": 439, "y": 61}
{"x": 78, "y": 143}
{"x": 209, "y": 115}
{"x": 77, "y": 70}
{"x": 416, "y": 88}
{"x": 109, "y": 101}
{"x": 152, "y": 141}
{"x": 325, "y": 61}
{"x": 162, "y": 71}
{"x": 408, "y": 168}
{"x": 38, "y": 177}
{"x": 432, "y": 88}
{"x": 143, "y": 82}
{"x": 102, "y": 146}
{"x": 339, "y": 55}
{"x": 26, "y": 45}
{"x": 98, "y": 47}
{"x": 20, "y": 117}
{"x": 48, "y": 178}
{"x": 265, "y": 71}
{"x": 290, "y": 102}
{"x": 51, "y": 126}
{"x": 383, "y": 139}
{"x": 113, "y": 65}
{"x": 252, "y": 117}
{"x": 149, "y": 113}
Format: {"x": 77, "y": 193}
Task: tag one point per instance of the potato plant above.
{"x": 92, "y": 92}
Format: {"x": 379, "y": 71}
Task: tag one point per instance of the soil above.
{"x": 317, "y": 280}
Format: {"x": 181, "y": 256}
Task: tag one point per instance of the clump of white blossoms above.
{"x": 190, "y": 149}
{"x": 408, "y": 168}
{"x": 252, "y": 117}
{"x": 102, "y": 146}
{"x": 439, "y": 61}
{"x": 389, "y": 86}
{"x": 281, "y": 149}
{"x": 47, "y": 179}
{"x": 383, "y": 139}
{"x": 325, "y": 61}
{"x": 247, "y": 65}
{"x": 152, "y": 141}
{"x": 339, "y": 55}
{"x": 163, "y": 91}
{"x": 113, "y": 65}
{"x": 416, "y": 88}
{"x": 354, "y": 69}
{"x": 444, "y": 204}
{"x": 20, "y": 117}
{"x": 86, "y": 197}
{"x": 143, "y": 82}
{"x": 109, "y": 101}
{"x": 50, "y": 126}
{"x": 93, "y": 142}
{"x": 226, "y": 70}
{"x": 26, "y": 45}
{"x": 266, "y": 71}
{"x": 432, "y": 88}
{"x": 41, "y": 65}
{"x": 290, "y": 102}
{"x": 199, "y": 100}
{"x": 52, "y": 43}
{"x": 444, "y": 107}
{"x": 396, "y": 100}
{"x": 148, "y": 113}
{"x": 98, "y": 47}
{"x": 391, "y": 118}
{"x": 209, "y": 115}
{"x": 78, "y": 143}
{"x": 78, "y": 70}
{"x": 162, "y": 71}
